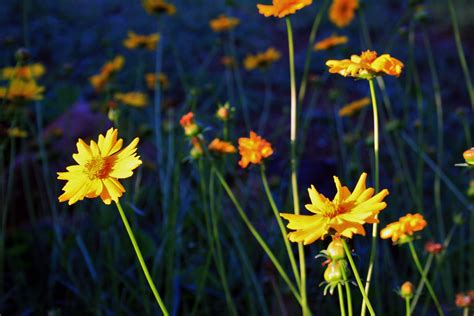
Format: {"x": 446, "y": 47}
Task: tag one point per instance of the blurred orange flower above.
{"x": 404, "y": 228}
{"x": 150, "y": 79}
{"x": 27, "y": 72}
{"x": 353, "y": 107}
{"x": 111, "y": 67}
{"x": 282, "y": 8}
{"x": 223, "y": 23}
{"x": 253, "y": 149}
{"x": 261, "y": 60}
{"x": 469, "y": 156}
{"x": 197, "y": 150}
{"x": 464, "y": 300}
{"x": 134, "y": 98}
{"x": 345, "y": 214}
{"x": 187, "y": 122}
{"x": 221, "y": 147}
{"x": 158, "y": 7}
{"x": 341, "y": 12}
{"x": 135, "y": 40}
{"x": 330, "y": 42}
{"x": 21, "y": 90}
{"x": 433, "y": 248}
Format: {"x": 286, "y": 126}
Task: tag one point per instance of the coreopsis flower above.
{"x": 330, "y": 42}
{"x": 21, "y": 90}
{"x": 223, "y": 23}
{"x": 261, "y": 60}
{"x": 469, "y": 156}
{"x": 221, "y": 147}
{"x": 433, "y": 248}
{"x": 27, "y": 72}
{"x": 150, "y": 79}
{"x": 135, "y": 40}
{"x": 111, "y": 67}
{"x": 224, "y": 112}
{"x": 366, "y": 66}
{"x": 345, "y": 214}
{"x": 341, "y": 12}
{"x": 253, "y": 149}
{"x": 353, "y": 107}
{"x": 187, "y": 123}
{"x": 402, "y": 230}
{"x": 100, "y": 166}
{"x": 16, "y": 132}
{"x": 282, "y": 8}
{"x": 407, "y": 290}
{"x": 134, "y": 98}
{"x": 159, "y": 7}
{"x": 464, "y": 300}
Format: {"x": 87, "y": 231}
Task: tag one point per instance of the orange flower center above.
{"x": 368, "y": 56}
{"x": 334, "y": 209}
{"x": 98, "y": 168}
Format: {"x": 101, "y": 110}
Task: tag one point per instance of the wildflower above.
{"x": 404, "y": 228}
{"x": 464, "y": 300}
{"x": 190, "y": 127}
{"x": 469, "y": 156}
{"x": 366, "y": 66}
{"x": 98, "y": 81}
{"x": 158, "y": 7}
{"x": 224, "y": 112}
{"x": 20, "y": 90}
{"x": 197, "y": 150}
{"x": 253, "y": 150}
{"x": 406, "y": 290}
{"x": 228, "y": 61}
{"x": 135, "y": 40}
{"x": 341, "y": 12}
{"x": 100, "y": 166}
{"x": 27, "y": 72}
{"x": 261, "y": 60}
{"x": 16, "y": 132}
{"x": 150, "y": 79}
{"x": 353, "y": 107}
{"x": 134, "y": 98}
{"x": 223, "y": 23}
{"x": 221, "y": 147}
{"x": 330, "y": 42}
{"x": 433, "y": 248}
{"x": 282, "y": 8}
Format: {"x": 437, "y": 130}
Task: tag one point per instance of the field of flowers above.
{"x": 253, "y": 157}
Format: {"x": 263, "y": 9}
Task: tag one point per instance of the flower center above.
{"x": 98, "y": 168}
{"x": 334, "y": 209}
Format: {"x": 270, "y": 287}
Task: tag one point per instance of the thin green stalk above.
{"x": 141, "y": 260}
{"x": 341, "y": 299}
{"x": 407, "y": 306}
{"x": 357, "y": 277}
{"x": 423, "y": 277}
{"x": 294, "y": 181}
{"x": 347, "y": 285}
{"x": 465, "y": 311}
{"x": 280, "y": 224}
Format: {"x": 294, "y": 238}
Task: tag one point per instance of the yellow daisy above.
{"x": 21, "y": 90}
{"x": 134, "y": 98}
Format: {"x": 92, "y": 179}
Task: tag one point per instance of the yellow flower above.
{"x": 221, "y": 147}
{"x": 366, "y": 66}
{"x": 15, "y": 132}
{"x": 330, "y": 42}
{"x": 28, "y": 72}
{"x": 341, "y": 12}
{"x": 100, "y": 166}
{"x": 135, "y": 40}
{"x": 150, "y": 79}
{"x": 353, "y": 107}
{"x": 404, "y": 227}
{"x": 469, "y": 156}
{"x": 111, "y": 67}
{"x": 261, "y": 60}
{"x": 223, "y": 23}
{"x": 20, "y": 90}
{"x": 134, "y": 98}
{"x": 253, "y": 150}
{"x": 282, "y": 8}
{"x": 345, "y": 214}
{"x": 187, "y": 123}
{"x": 158, "y": 7}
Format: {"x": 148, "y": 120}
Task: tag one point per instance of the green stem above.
{"x": 280, "y": 224}
{"x": 341, "y": 299}
{"x": 348, "y": 291}
{"x": 407, "y": 306}
{"x": 424, "y": 278}
{"x": 465, "y": 311}
{"x": 357, "y": 277}
{"x": 140, "y": 259}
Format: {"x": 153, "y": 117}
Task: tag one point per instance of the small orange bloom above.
{"x": 353, "y": 107}
{"x": 135, "y": 40}
{"x": 197, "y": 150}
{"x": 330, "y": 42}
{"x": 282, "y": 8}
{"x": 464, "y": 300}
{"x": 404, "y": 227}
{"x": 221, "y": 147}
{"x": 407, "y": 290}
{"x": 150, "y": 79}
{"x": 434, "y": 248}
{"x": 223, "y": 23}
{"x": 187, "y": 122}
{"x": 469, "y": 156}
{"x": 253, "y": 150}
{"x": 261, "y": 60}
{"x": 158, "y": 7}
{"x": 341, "y": 12}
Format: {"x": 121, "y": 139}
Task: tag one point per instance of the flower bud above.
{"x": 469, "y": 156}
{"x": 333, "y": 273}
{"x": 335, "y": 250}
{"x": 406, "y": 290}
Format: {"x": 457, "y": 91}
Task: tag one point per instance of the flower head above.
{"x": 224, "y": 112}
{"x": 353, "y": 107}
{"x": 330, "y": 42}
{"x": 158, "y": 7}
{"x": 21, "y": 90}
{"x": 134, "y": 98}
{"x": 407, "y": 290}
{"x": 190, "y": 127}
{"x": 253, "y": 149}
{"x": 366, "y": 66}
{"x": 469, "y": 156}
{"x": 135, "y": 40}
{"x": 110, "y": 68}
{"x": 223, "y": 23}
{"x": 344, "y": 215}
{"x": 433, "y": 248}
{"x": 261, "y": 60}
{"x": 282, "y": 8}
{"x": 16, "y": 132}
{"x": 27, "y": 72}
{"x": 404, "y": 228}
{"x": 341, "y": 12}
{"x": 464, "y": 300}
{"x": 221, "y": 147}
{"x": 150, "y": 79}
{"x": 197, "y": 150}
{"x": 100, "y": 166}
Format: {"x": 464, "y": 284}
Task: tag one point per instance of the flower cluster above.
{"x": 402, "y": 230}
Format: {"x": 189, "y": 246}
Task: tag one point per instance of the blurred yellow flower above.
{"x": 341, "y": 12}
{"x": 253, "y": 150}
{"x": 366, "y": 66}
{"x": 158, "y": 7}
{"x": 261, "y": 60}
{"x": 345, "y": 214}
{"x": 21, "y": 90}
{"x": 223, "y": 23}
{"x": 27, "y": 72}
{"x": 221, "y": 147}
{"x": 100, "y": 166}
{"x": 111, "y": 67}
{"x": 135, "y": 40}
{"x": 353, "y": 107}
{"x": 16, "y": 132}
{"x": 150, "y": 79}
{"x": 404, "y": 227}
{"x": 330, "y": 42}
{"x": 282, "y": 8}
{"x": 134, "y": 98}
